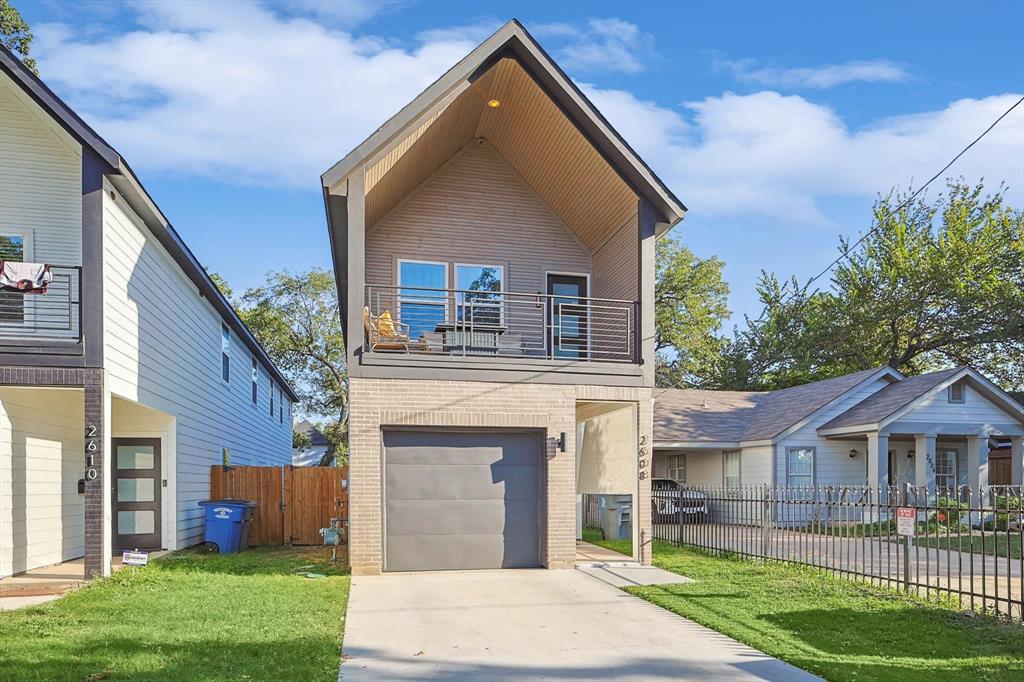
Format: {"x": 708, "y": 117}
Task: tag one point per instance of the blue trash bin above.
{"x": 227, "y": 524}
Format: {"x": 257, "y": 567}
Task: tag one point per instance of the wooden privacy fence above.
{"x": 294, "y": 503}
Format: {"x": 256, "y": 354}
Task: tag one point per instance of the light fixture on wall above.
{"x": 910, "y": 454}
{"x": 561, "y": 442}
{"x": 494, "y": 103}
{"x": 853, "y": 453}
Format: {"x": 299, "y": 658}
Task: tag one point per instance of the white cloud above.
{"x": 779, "y": 156}
{"x": 248, "y": 97}
{"x": 476, "y": 32}
{"x": 603, "y": 45}
{"x": 818, "y": 77}
{"x": 265, "y": 98}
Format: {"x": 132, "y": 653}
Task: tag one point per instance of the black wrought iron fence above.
{"x": 954, "y": 544}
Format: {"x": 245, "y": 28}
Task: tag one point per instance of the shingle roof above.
{"x": 890, "y": 399}
{"x": 316, "y": 436}
{"x": 691, "y": 415}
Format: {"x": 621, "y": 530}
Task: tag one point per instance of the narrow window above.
{"x": 677, "y": 468}
{"x": 255, "y": 380}
{"x": 280, "y": 405}
{"x": 731, "y": 466}
{"x": 270, "y": 388}
{"x": 956, "y": 392}
{"x": 800, "y": 467}
{"x": 225, "y": 352}
{"x": 945, "y": 470}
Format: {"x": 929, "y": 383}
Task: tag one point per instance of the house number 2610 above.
{"x": 641, "y": 459}
{"x": 91, "y": 446}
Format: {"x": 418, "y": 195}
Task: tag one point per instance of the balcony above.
{"x": 31, "y": 323}
{"x": 480, "y": 324}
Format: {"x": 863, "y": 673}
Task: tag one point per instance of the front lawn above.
{"x": 837, "y": 628}
{"x": 189, "y": 616}
{"x": 1002, "y": 542}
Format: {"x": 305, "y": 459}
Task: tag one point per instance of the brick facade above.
{"x": 379, "y": 403}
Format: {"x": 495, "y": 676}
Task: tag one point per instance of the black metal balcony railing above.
{"x": 53, "y": 315}
{"x": 499, "y": 323}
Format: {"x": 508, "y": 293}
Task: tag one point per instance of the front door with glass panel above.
{"x": 568, "y": 333}
{"x": 136, "y": 493}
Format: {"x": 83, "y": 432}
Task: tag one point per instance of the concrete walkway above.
{"x": 531, "y": 625}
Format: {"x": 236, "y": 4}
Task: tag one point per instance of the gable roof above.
{"x": 891, "y": 399}
{"x": 513, "y": 41}
{"x": 316, "y": 436}
{"x": 734, "y": 416}
{"x": 123, "y": 178}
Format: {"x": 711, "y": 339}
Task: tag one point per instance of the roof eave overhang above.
{"x": 513, "y": 40}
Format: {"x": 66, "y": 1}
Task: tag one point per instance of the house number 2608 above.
{"x": 641, "y": 459}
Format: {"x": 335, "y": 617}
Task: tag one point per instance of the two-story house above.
{"x": 494, "y": 250}
{"x": 124, "y": 373}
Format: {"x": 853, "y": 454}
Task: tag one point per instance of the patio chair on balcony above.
{"x": 383, "y": 333}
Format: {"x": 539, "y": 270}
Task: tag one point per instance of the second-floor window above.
{"x": 255, "y": 380}
{"x": 280, "y": 406}
{"x": 12, "y": 305}
{"x": 424, "y": 305}
{"x": 271, "y": 391}
{"x": 225, "y": 352}
{"x": 483, "y": 305}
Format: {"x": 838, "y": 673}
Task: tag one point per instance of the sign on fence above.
{"x": 906, "y": 521}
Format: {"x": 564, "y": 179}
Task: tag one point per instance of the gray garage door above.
{"x": 461, "y": 500}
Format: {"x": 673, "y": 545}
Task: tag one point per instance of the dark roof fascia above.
{"x": 122, "y": 176}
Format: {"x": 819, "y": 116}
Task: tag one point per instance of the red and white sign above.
{"x": 906, "y": 521}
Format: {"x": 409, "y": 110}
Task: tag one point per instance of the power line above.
{"x": 846, "y": 252}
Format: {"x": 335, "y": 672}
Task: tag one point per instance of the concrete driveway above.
{"x": 531, "y": 625}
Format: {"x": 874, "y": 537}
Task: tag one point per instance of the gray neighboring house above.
{"x": 870, "y": 427}
{"x": 318, "y": 445}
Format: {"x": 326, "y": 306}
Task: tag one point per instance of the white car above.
{"x": 667, "y": 496}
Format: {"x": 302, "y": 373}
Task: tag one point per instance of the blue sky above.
{"x": 777, "y": 124}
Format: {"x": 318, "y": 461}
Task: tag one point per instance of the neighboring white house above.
{"x": 131, "y": 375}
{"x": 875, "y": 427}
{"x": 313, "y": 454}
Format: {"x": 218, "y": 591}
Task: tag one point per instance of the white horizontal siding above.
{"x": 41, "y": 512}
{"x": 756, "y": 465}
{"x": 40, "y": 179}
{"x": 976, "y": 409}
{"x": 832, "y": 461}
{"x": 162, "y": 350}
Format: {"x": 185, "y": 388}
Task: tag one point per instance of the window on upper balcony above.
{"x": 422, "y": 299}
{"x": 12, "y": 305}
{"x": 479, "y": 298}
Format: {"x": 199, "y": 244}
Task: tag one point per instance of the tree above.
{"x": 690, "y": 303}
{"x": 296, "y": 319}
{"x": 15, "y": 34}
{"x": 933, "y": 284}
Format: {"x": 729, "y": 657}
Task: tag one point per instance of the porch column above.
{"x": 878, "y": 460}
{"x": 924, "y": 462}
{"x": 1017, "y": 460}
{"x": 97, "y": 467}
{"x": 977, "y": 466}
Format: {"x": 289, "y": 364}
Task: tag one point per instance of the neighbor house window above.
{"x": 731, "y": 468}
{"x": 945, "y": 469}
{"x": 677, "y": 468}
{"x": 255, "y": 380}
{"x": 422, "y": 296}
{"x": 270, "y": 389}
{"x": 280, "y": 405}
{"x": 225, "y": 352}
{"x": 956, "y": 392}
{"x": 479, "y": 298}
{"x": 800, "y": 467}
